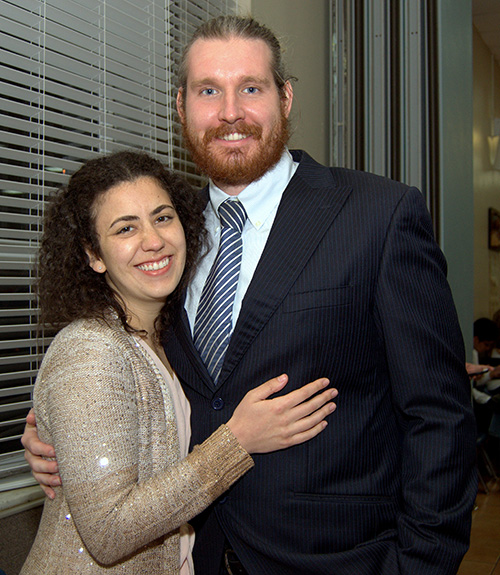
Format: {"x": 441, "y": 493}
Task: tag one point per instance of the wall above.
{"x": 303, "y": 29}
{"x": 486, "y": 182}
{"x": 454, "y": 32}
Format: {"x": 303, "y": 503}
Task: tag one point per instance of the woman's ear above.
{"x": 95, "y": 262}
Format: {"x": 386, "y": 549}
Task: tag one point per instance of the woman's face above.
{"x": 142, "y": 244}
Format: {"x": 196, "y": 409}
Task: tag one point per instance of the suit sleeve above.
{"x": 431, "y": 394}
{"x": 86, "y": 406}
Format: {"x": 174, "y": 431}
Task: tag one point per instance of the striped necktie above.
{"x": 212, "y": 328}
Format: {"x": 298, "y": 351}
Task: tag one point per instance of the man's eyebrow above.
{"x": 243, "y": 80}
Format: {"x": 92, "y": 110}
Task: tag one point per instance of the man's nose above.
{"x": 231, "y": 109}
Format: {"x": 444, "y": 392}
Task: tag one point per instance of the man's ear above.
{"x": 287, "y": 98}
{"x": 180, "y": 105}
{"x": 95, "y": 262}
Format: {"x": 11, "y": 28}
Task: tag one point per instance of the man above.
{"x": 485, "y": 339}
{"x": 340, "y": 277}
{"x": 485, "y": 385}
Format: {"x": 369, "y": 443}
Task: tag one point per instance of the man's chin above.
{"x": 238, "y": 165}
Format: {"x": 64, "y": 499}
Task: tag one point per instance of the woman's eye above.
{"x": 124, "y": 230}
{"x": 164, "y": 218}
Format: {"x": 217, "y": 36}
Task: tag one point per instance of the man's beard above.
{"x": 233, "y": 167}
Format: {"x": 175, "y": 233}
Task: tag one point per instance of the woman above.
{"x": 117, "y": 243}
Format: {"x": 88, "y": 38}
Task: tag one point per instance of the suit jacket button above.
{"x": 217, "y": 403}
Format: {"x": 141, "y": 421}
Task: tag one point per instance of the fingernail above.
{"x": 282, "y": 378}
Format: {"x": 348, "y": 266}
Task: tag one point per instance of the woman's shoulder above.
{"x": 92, "y": 329}
{"x": 91, "y": 338}
{"x": 89, "y": 346}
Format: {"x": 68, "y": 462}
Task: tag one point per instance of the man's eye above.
{"x": 208, "y": 91}
{"x": 251, "y": 90}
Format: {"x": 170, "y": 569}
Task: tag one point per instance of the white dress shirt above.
{"x": 260, "y": 200}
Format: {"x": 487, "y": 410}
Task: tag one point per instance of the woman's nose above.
{"x": 152, "y": 239}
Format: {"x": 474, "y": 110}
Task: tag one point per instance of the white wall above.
{"x": 303, "y": 29}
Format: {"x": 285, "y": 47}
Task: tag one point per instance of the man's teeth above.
{"x": 155, "y": 266}
{"x": 234, "y": 137}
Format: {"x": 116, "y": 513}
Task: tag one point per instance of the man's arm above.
{"x": 430, "y": 393}
{"x": 36, "y": 452}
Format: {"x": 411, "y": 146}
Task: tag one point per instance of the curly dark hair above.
{"x": 68, "y": 288}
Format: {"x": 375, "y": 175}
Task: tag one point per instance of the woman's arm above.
{"x": 86, "y": 407}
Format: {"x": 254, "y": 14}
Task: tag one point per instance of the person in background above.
{"x": 486, "y": 333}
{"x": 485, "y": 378}
{"x": 340, "y": 276}
{"x": 117, "y": 242}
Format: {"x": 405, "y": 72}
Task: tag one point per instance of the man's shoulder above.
{"x": 338, "y": 176}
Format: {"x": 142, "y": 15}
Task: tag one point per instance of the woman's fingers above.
{"x": 307, "y": 407}
{"x": 299, "y": 426}
{"x": 262, "y": 425}
{"x": 269, "y": 388}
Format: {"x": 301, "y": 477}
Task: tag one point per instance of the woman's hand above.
{"x": 262, "y": 425}
{"x": 45, "y": 472}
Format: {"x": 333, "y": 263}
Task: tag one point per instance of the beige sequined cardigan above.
{"x": 101, "y": 401}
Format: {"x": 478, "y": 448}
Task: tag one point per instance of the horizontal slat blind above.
{"x": 77, "y": 78}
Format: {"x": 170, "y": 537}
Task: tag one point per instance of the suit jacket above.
{"x": 351, "y": 286}
{"x": 103, "y": 404}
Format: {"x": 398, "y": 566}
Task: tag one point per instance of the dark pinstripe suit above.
{"x": 351, "y": 286}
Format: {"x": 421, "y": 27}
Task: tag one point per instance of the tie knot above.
{"x": 232, "y": 215}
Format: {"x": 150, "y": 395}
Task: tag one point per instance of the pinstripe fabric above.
{"x": 212, "y": 328}
{"x": 351, "y": 286}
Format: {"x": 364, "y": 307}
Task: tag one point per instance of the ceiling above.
{"x": 486, "y": 18}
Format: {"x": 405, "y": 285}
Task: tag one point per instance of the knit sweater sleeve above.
{"x": 86, "y": 407}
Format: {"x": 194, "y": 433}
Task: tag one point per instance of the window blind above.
{"x": 78, "y": 78}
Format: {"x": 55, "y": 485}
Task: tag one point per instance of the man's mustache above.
{"x": 240, "y": 128}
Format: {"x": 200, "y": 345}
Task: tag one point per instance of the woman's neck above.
{"x": 143, "y": 319}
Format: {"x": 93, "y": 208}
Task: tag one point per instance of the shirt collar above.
{"x": 260, "y": 197}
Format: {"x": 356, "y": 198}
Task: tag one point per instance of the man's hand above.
{"x": 495, "y": 372}
{"x": 36, "y": 454}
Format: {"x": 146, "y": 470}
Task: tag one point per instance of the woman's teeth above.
{"x": 155, "y": 266}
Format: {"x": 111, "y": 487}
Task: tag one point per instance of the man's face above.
{"x": 484, "y": 347}
{"x": 235, "y": 121}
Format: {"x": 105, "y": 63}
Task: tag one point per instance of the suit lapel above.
{"x": 309, "y": 205}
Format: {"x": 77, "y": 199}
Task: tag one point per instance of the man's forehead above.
{"x": 229, "y": 49}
